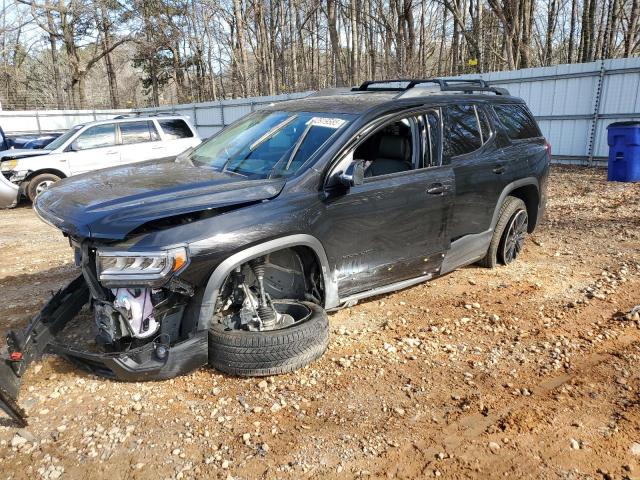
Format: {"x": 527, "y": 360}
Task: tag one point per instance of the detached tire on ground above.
{"x": 271, "y": 352}
{"x": 40, "y": 183}
{"x": 508, "y": 235}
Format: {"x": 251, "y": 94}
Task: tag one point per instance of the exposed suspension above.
{"x": 267, "y": 314}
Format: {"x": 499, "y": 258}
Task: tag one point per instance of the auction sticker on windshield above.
{"x": 326, "y": 122}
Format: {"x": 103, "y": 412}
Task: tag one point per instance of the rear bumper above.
{"x": 8, "y": 193}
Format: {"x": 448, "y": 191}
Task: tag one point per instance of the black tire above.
{"x": 511, "y": 207}
{"x": 272, "y": 352}
{"x": 40, "y": 182}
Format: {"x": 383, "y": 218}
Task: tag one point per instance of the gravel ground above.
{"x": 524, "y": 371}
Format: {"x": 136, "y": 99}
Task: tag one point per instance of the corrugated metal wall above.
{"x": 208, "y": 117}
{"x": 573, "y": 104}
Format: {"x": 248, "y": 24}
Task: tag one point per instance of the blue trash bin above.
{"x": 624, "y": 151}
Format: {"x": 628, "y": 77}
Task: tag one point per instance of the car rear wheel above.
{"x": 299, "y": 340}
{"x": 40, "y": 183}
{"x": 509, "y": 234}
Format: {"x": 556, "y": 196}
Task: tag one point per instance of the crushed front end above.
{"x": 134, "y": 312}
{"x": 128, "y": 316}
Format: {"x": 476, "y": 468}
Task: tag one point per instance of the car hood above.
{"x": 112, "y": 202}
{"x": 21, "y": 153}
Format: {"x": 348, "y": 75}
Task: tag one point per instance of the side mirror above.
{"x": 353, "y": 175}
{"x": 73, "y": 147}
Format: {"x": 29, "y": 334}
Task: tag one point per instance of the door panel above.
{"x": 175, "y": 147}
{"x": 140, "y": 142}
{"x": 480, "y": 179}
{"x": 389, "y": 229}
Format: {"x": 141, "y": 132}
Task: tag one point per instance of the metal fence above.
{"x": 572, "y": 103}
{"x": 207, "y": 117}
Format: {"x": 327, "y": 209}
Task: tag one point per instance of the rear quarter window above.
{"x": 517, "y": 121}
{"x": 137, "y": 132}
{"x": 175, "y": 129}
{"x": 461, "y": 131}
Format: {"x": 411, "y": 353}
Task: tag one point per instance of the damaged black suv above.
{"x": 230, "y": 254}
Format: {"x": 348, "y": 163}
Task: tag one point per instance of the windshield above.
{"x": 268, "y": 144}
{"x": 58, "y": 142}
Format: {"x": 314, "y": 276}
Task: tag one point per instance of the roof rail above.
{"x": 330, "y": 92}
{"x": 445, "y": 85}
{"x": 145, "y": 114}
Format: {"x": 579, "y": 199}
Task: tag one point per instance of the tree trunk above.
{"x": 335, "y": 43}
{"x": 55, "y": 62}
{"x": 572, "y": 30}
{"x": 240, "y": 46}
{"x": 106, "y": 46}
{"x": 630, "y": 35}
{"x": 442, "y": 68}
{"x": 551, "y": 28}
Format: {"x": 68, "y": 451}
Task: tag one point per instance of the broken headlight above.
{"x": 133, "y": 268}
{"x": 8, "y": 165}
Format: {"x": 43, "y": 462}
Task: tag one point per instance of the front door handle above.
{"x": 498, "y": 169}
{"x": 435, "y": 189}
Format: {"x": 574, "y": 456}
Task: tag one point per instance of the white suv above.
{"x": 95, "y": 145}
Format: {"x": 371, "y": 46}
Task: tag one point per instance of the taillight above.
{"x": 547, "y": 147}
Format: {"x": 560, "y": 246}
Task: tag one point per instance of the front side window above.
{"x": 389, "y": 149}
{"x": 96, "y": 137}
{"x": 175, "y": 129}
{"x": 462, "y": 131}
{"x": 137, "y": 132}
{"x": 517, "y": 121}
{"x": 62, "y": 139}
{"x": 268, "y": 144}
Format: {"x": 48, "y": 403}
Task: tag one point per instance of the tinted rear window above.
{"x": 175, "y": 129}
{"x": 517, "y": 121}
{"x": 462, "y": 133}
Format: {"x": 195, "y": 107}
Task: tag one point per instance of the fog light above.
{"x": 161, "y": 352}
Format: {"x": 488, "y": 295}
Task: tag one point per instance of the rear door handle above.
{"x": 111, "y": 153}
{"x": 436, "y": 189}
{"x": 498, "y": 169}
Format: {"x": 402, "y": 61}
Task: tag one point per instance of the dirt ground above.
{"x": 526, "y": 371}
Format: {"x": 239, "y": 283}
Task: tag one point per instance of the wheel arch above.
{"x": 223, "y": 270}
{"x": 526, "y": 189}
{"x": 53, "y": 171}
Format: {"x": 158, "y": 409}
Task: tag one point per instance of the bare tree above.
{"x": 195, "y": 50}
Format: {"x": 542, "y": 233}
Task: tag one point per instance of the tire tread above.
{"x": 508, "y": 208}
{"x": 271, "y": 352}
